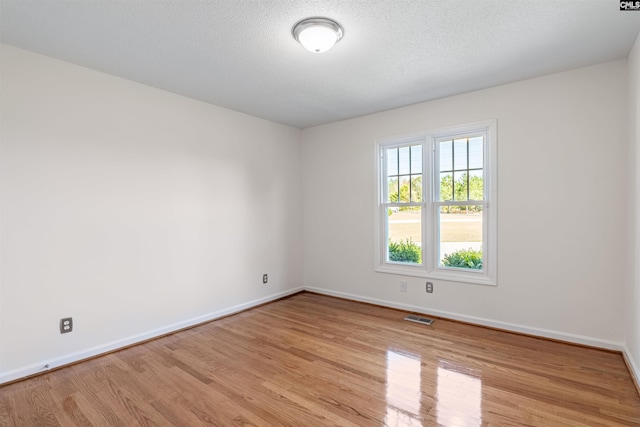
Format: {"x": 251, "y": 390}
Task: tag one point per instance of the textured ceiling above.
{"x": 240, "y": 54}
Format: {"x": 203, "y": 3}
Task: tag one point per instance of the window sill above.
{"x": 457, "y": 276}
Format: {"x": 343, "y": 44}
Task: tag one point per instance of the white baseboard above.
{"x": 46, "y": 365}
{"x": 544, "y": 333}
{"x": 633, "y": 367}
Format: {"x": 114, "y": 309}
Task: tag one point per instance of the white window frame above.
{"x": 429, "y": 267}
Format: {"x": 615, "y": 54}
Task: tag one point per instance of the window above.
{"x": 436, "y": 204}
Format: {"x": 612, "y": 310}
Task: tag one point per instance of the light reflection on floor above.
{"x": 458, "y": 399}
{"x": 403, "y": 390}
{"x": 458, "y": 395}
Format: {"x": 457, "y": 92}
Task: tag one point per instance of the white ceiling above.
{"x": 240, "y": 54}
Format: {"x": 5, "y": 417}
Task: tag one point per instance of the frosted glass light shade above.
{"x": 317, "y": 35}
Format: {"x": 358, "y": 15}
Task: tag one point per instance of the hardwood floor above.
{"x": 311, "y": 360}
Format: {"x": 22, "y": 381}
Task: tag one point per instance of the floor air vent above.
{"x": 418, "y": 319}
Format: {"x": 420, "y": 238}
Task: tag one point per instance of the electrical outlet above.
{"x": 265, "y": 278}
{"x": 403, "y": 286}
{"x": 429, "y": 287}
{"x": 66, "y": 325}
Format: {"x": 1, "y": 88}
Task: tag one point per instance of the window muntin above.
{"x": 404, "y": 174}
{"x": 437, "y": 195}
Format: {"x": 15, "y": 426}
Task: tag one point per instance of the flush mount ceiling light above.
{"x": 317, "y": 35}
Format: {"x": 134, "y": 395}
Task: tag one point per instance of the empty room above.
{"x": 312, "y": 213}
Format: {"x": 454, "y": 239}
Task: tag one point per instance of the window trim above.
{"x": 430, "y": 250}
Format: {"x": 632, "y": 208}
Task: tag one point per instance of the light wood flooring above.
{"x": 312, "y": 360}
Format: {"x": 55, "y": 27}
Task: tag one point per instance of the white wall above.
{"x": 133, "y": 210}
{"x": 563, "y": 197}
{"x": 137, "y": 211}
{"x": 632, "y": 324}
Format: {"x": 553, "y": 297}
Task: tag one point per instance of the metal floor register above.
{"x": 418, "y": 319}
